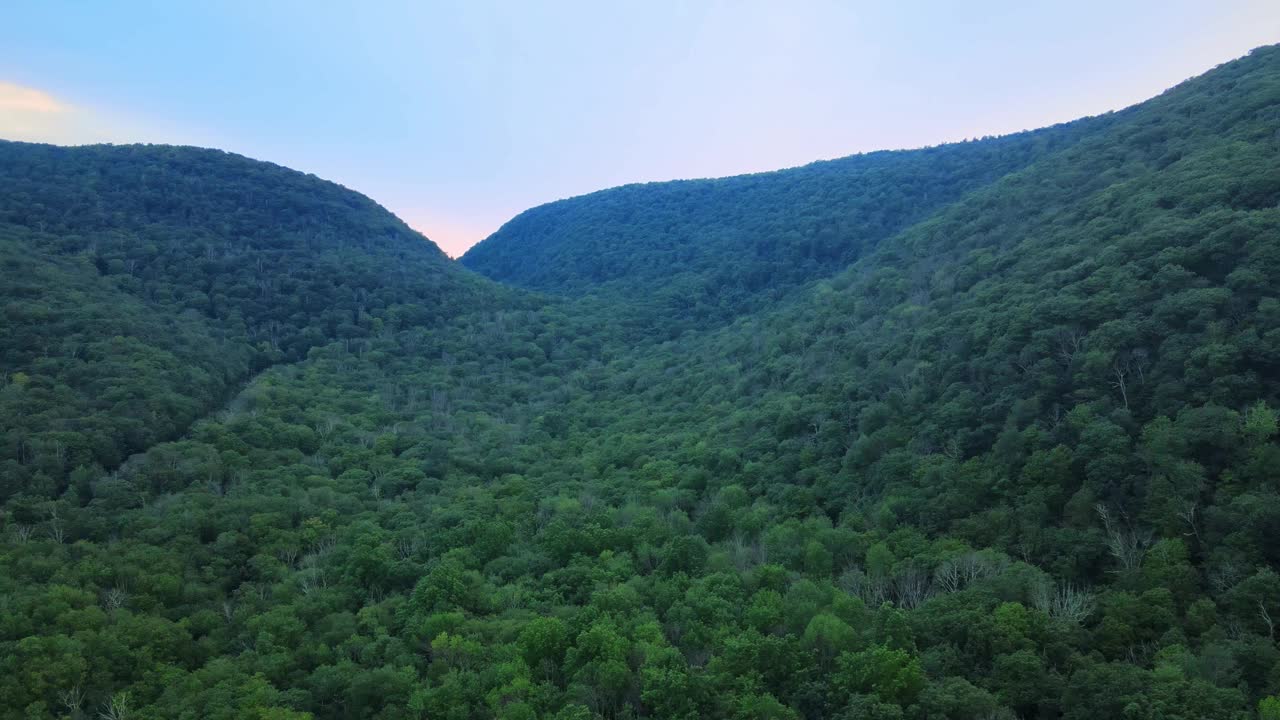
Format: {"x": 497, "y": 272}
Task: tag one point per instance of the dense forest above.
{"x": 698, "y": 252}
{"x": 987, "y": 430}
{"x": 145, "y": 284}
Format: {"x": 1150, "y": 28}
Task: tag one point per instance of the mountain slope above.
{"x": 710, "y": 250}
{"x": 149, "y": 281}
{"x": 1124, "y": 278}
{"x": 215, "y": 232}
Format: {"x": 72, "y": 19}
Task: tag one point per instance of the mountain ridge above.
{"x": 564, "y": 247}
{"x": 263, "y": 261}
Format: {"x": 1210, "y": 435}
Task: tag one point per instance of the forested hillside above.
{"x": 1003, "y": 444}
{"x": 144, "y": 284}
{"x": 697, "y": 252}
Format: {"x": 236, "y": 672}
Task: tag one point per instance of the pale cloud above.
{"x": 33, "y": 115}
{"x": 15, "y": 98}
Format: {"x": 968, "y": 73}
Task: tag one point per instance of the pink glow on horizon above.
{"x": 453, "y": 235}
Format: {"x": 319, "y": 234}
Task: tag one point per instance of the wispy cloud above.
{"x": 31, "y": 114}
{"x": 19, "y": 99}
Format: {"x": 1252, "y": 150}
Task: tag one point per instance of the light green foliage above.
{"x": 829, "y": 636}
{"x": 543, "y": 643}
{"x": 893, "y": 676}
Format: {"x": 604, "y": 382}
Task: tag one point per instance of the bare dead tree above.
{"x": 740, "y": 552}
{"x": 1119, "y": 372}
{"x": 407, "y": 547}
{"x": 958, "y": 573}
{"x": 72, "y": 699}
{"x": 947, "y": 577}
{"x": 852, "y": 580}
{"x": 911, "y": 587}
{"x": 324, "y": 428}
{"x": 1225, "y": 575}
{"x": 1025, "y": 550}
{"x": 1127, "y": 546}
{"x": 117, "y": 708}
{"x": 1067, "y": 602}
{"x": 1189, "y": 517}
{"x": 1139, "y": 359}
{"x": 115, "y": 598}
{"x": 1070, "y": 343}
{"x": 1140, "y": 653}
{"x": 287, "y": 555}
{"x": 311, "y": 580}
{"x": 322, "y": 547}
{"x": 873, "y": 591}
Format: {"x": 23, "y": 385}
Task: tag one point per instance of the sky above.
{"x": 458, "y": 115}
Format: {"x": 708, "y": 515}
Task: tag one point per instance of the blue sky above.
{"x": 458, "y": 115}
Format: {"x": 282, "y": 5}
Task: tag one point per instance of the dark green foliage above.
{"x": 1015, "y": 456}
{"x": 697, "y": 251}
{"x": 143, "y": 284}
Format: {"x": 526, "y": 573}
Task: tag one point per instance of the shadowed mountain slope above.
{"x": 144, "y": 283}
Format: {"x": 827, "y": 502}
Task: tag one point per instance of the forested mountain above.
{"x": 696, "y": 252}
{"x": 981, "y": 431}
{"x": 144, "y": 284}
{"x": 701, "y": 251}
